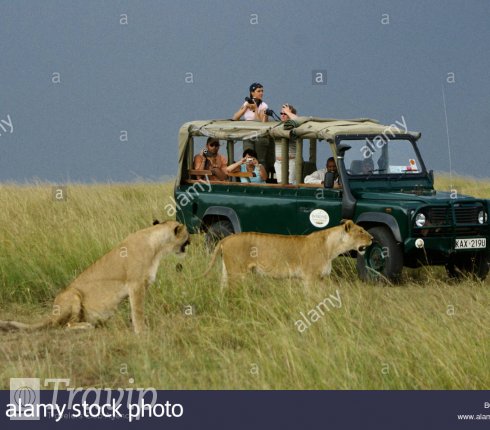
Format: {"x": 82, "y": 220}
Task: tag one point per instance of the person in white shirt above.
{"x": 319, "y": 176}
{"x": 253, "y": 109}
{"x": 287, "y": 112}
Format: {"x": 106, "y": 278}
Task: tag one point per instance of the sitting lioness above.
{"x": 306, "y": 257}
{"x": 125, "y": 271}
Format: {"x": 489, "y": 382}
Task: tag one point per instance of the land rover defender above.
{"x": 385, "y": 187}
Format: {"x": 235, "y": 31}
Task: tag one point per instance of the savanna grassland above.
{"x": 427, "y": 333}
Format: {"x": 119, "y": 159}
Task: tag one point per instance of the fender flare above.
{"x": 381, "y": 218}
{"x": 226, "y": 212}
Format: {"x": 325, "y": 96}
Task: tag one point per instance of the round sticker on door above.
{"x": 319, "y": 218}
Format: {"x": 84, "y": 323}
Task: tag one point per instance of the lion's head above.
{"x": 180, "y": 237}
{"x": 359, "y": 238}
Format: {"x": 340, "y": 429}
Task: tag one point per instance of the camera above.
{"x": 249, "y": 160}
{"x": 205, "y": 152}
{"x": 251, "y": 100}
{"x": 269, "y": 112}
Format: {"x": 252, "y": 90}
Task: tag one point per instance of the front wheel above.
{"x": 383, "y": 259}
{"x": 216, "y": 231}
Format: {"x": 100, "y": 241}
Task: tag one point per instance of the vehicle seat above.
{"x": 356, "y": 167}
{"x": 308, "y": 168}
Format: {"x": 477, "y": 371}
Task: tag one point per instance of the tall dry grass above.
{"x": 426, "y": 333}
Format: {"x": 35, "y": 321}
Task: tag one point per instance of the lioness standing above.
{"x": 306, "y": 257}
{"x": 125, "y": 271}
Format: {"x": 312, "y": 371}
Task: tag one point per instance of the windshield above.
{"x": 374, "y": 156}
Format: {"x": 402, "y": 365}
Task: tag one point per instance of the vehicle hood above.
{"x": 432, "y": 197}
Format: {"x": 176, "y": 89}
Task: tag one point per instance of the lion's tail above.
{"x": 15, "y": 325}
{"x": 217, "y": 251}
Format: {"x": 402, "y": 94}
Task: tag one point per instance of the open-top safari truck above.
{"x": 394, "y": 199}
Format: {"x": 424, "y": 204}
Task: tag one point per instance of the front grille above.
{"x": 467, "y": 215}
{"x": 440, "y": 215}
{"x": 451, "y": 219}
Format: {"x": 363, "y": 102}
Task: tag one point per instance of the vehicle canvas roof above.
{"x": 302, "y": 127}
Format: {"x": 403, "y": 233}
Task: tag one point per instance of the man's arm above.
{"x": 221, "y": 172}
{"x": 199, "y": 162}
{"x": 288, "y": 112}
{"x": 315, "y": 178}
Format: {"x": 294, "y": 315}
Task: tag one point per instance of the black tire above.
{"x": 474, "y": 265}
{"x": 217, "y": 231}
{"x": 383, "y": 259}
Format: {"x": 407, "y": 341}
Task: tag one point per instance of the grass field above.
{"x": 424, "y": 334}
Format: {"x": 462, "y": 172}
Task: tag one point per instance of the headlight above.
{"x": 420, "y": 220}
{"x": 482, "y": 217}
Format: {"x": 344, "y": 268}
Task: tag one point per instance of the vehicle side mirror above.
{"x": 328, "y": 180}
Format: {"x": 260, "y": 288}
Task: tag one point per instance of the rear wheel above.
{"x": 217, "y": 231}
{"x": 383, "y": 259}
{"x": 469, "y": 265}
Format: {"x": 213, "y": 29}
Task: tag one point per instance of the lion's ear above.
{"x": 155, "y": 222}
{"x": 348, "y": 225}
{"x": 178, "y": 229}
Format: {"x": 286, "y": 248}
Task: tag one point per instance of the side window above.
{"x": 199, "y": 143}
{"x": 311, "y": 157}
{"x": 237, "y": 151}
{"x": 314, "y": 154}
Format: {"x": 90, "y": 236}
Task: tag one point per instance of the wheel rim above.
{"x": 375, "y": 258}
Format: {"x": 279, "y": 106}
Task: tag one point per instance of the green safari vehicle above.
{"x": 393, "y": 197}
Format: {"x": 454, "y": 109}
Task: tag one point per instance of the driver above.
{"x": 319, "y": 176}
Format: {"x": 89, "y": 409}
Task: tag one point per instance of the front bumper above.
{"x": 438, "y": 250}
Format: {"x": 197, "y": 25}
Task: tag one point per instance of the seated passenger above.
{"x": 209, "y": 159}
{"x": 249, "y": 163}
{"x": 319, "y": 176}
{"x": 367, "y": 166}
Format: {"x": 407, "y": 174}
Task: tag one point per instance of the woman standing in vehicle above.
{"x": 253, "y": 109}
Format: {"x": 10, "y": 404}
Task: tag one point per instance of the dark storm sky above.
{"x": 384, "y": 60}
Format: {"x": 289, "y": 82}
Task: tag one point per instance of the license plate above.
{"x": 473, "y": 243}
